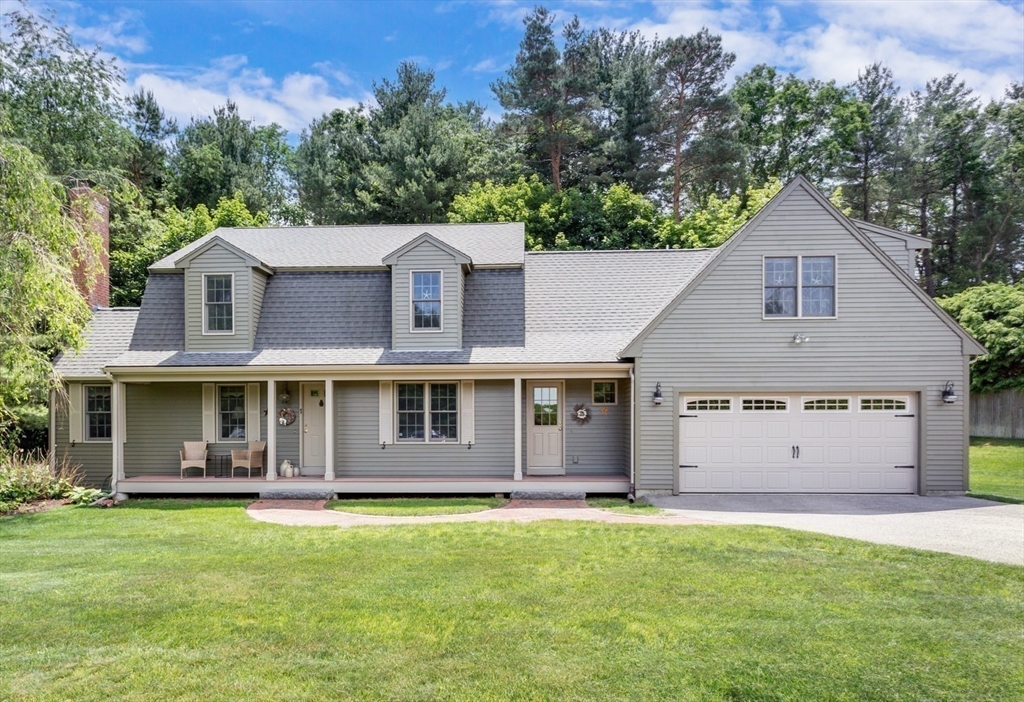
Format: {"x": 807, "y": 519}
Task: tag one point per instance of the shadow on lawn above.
{"x": 168, "y": 504}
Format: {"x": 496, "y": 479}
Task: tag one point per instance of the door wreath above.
{"x": 580, "y": 414}
{"x": 286, "y": 416}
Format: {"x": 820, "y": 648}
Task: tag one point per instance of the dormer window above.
{"x": 426, "y": 300}
{"x": 218, "y": 304}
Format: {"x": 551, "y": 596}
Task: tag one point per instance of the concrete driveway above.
{"x": 965, "y": 526}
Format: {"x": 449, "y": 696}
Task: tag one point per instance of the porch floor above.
{"x": 173, "y": 484}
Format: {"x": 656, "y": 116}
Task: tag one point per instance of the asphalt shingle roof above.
{"x": 362, "y": 246}
{"x": 562, "y": 307}
{"x": 107, "y": 337}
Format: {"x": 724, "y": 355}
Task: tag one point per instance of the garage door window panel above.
{"x": 882, "y": 404}
{"x": 760, "y": 404}
{"x": 827, "y": 404}
{"x": 709, "y": 404}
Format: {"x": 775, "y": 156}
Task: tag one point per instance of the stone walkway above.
{"x": 312, "y": 513}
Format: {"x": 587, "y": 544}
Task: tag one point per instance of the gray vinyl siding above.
{"x": 94, "y": 458}
{"x": 288, "y": 436}
{"x": 427, "y": 257}
{"x": 896, "y": 250}
{"x": 885, "y": 339}
{"x": 595, "y": 448}
{"x": 259, "y": 284}
{"x": 160, "y": 416}
{"x": 601, "y": 446}
{"x": 218, "y": 260}
{"x": 358, "y": 454}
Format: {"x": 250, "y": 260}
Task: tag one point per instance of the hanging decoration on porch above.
{"x": 286, "y": 416}
{"x": 580, "y": 414}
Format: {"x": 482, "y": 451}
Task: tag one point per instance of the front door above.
{"x": 314, "y": 414}
{"x": 544, "y": 429}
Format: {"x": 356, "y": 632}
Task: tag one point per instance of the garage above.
{"x": 830, "y": 443}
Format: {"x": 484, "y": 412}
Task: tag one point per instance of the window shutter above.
{"x": 386, "y": 420}
{"x": 467, "y": 411}
{"x": 76, "y": 424}
{"x": 252, "y": 412}
{"x": 210, "y": 413}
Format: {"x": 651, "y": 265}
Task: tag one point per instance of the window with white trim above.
{"x": 231, "y": 412}
{"x": 882, "y": 404}
{"x": 218, "y": 304}
{"x": 439, "y": 423}
{"x": 827, "y": 404}
{"x": 426, "y": 300}
{"x": 604, "y": 392}
{"x": 711, "y": 404}
{"x": 759, "y": 404}
{"x": 799, "y": 286}
{"x": 98, "y": 416}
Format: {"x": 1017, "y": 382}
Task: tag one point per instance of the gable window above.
{"x": 604, "y": 392}
{"x": 799, "y": 286}
{"x": 426, "y": 300}
{"x": 416, "y": 422}
{"x": 218, "y": 304}
{"x": 231, "y": 412}
{"x": 97, "y": 413}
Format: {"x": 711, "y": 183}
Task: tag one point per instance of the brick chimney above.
{"x": 92, "y": 211}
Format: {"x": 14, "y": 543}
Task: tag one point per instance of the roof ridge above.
{"x": 611, "y": 251}
{"x": 358, "y": 226}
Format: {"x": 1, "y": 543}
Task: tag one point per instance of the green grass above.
{"x": 416, "y": 506}
{"x": 622, "y": 505}
{"x": 165, "y": 600}
{"x": 997, "y": 469}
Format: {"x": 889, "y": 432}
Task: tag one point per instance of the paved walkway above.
{"x": 312, "y": 513}
{"x": 965, "y": 526}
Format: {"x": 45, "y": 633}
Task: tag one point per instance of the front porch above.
{"x": 172, "y": 484}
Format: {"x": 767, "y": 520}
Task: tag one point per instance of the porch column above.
{"x": 271, "y": 429}
{"x": 329, "y": 430}
{"x": 517, "y": 405}
{"x": 117, "y": 428}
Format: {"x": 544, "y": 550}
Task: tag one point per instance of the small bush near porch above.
{"x": 161, "y": 600}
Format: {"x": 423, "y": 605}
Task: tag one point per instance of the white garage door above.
{"x": 798, "y": 443}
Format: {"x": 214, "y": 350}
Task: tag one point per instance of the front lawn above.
{"x": 416, "y": 506}
{"x": 997, "y": 468}
{"x": 161, "y": 599}
{"x": 623, "y": 506}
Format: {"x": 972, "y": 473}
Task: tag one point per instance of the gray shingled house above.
{"x": 801, "y": 356}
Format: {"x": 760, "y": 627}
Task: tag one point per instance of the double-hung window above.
{"x": 428, "y": 411}
{"x": 231, "y": 412}
{"x": 218, "y": 304}
{"x": 98, "y": 418}
{"x": 799, "y": 286}
{"x": 426, "y": 300}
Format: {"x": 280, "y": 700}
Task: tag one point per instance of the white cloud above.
{"x": 487, "y": 65}
{"x": 120, "y": 31}
{"x": 291, "y": 102}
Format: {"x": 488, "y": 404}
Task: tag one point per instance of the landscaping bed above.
{"x": 175, "y": 599}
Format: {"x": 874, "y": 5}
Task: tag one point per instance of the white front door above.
{"x": 827, "y": 443}
{"x": 544, "y": 429}
{"x": 314, "y": 415}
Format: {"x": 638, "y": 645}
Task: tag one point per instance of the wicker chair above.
{"x": 193, "y": 456}
{"x": 249, "y": 458}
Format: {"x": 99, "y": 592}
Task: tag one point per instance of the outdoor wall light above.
{"x": 657, "y": 394}
{"x": 949, "y": 394}
{"x": 801, "y": 338}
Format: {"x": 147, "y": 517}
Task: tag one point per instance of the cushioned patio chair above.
{"x": 249, "y": 458}
{"x": 193, "y": 456}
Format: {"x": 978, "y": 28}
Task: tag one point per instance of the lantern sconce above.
{"x": 284, "y": 397}
{"x": 800, "y": 339}
{"x": 949, "y": 394}
{"x": 657, "y": 394}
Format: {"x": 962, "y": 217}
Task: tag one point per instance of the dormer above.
{"x": 427, "y": 292}
{"x": 223, "y": 295}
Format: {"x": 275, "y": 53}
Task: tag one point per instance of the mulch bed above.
{"x": 38, "y": 506}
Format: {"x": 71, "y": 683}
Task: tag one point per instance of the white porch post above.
{"x": 329, "y": 430}
{"x": 117, "y": 428}
{"x": 271, "y": 429}
{"x": 518, "y": 433}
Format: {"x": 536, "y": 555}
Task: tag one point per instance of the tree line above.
{"x": 607, "y": 139}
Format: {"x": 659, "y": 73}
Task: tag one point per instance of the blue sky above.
{"x": 290, "y": 61}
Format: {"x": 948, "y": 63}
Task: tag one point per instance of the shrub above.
{"x": 27, "y": 477}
